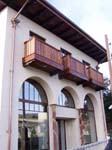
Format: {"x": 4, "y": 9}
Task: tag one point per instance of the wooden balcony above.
{"x": 41, "y": 55}
{"x": 95, "y": 79}
{"x": 74, "y": 70}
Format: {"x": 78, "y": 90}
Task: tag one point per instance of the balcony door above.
{"x": 61, "y": 135}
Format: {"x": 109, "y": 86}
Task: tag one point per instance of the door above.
{"x": 61, "y": 135}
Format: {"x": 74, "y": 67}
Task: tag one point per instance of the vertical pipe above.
{"x": 14, "y": 24}
{"x": 11, "y": 84}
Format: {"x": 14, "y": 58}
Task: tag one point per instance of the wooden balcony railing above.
{"x": 42, "y": 56}
{"x": 77, "y": 71}
{"x": 96, "y": 79}
{"x": 74, "y": 70}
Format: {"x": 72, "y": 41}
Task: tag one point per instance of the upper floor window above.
{"x": 65, "y": 99}
{"x": 65, "y": 52}
{"x": 38, "y": 36}
{"x": 86, "y": 64}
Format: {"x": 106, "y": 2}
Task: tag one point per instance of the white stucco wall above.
{"x": 3, "y": 108}
{"x": 52, "y": 85}
{"x": 3, "y": 23}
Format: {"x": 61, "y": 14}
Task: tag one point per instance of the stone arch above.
{"x": 93, "y": 100}
{"x": 48, "y": 90}
{"x": 74, "y": 95}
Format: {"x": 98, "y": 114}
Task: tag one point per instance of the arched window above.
{"x": 33, "y": 118}
{"x": 65, "y": 99}
{"x": 88, "y": 122}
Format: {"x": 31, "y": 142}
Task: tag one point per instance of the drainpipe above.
{"x": 14, "y": 22}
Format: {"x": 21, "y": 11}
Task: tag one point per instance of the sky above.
{"x": 93, "y": 16}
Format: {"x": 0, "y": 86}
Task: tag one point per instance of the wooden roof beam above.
{"x": 62, "y": 31}
{"x": 71, "y": 35}
{"x": 66, "y": 34}
{"x": 56, "y": 26}
{"x": 70, "y": 24}
{"x": 44, "y": 22}
{"x": 38, "y": 13}
{"x": 86, "y": 46}
{"x": 80, "y": 42}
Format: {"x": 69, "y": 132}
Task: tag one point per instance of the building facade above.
{"x": 50, "y": 87}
